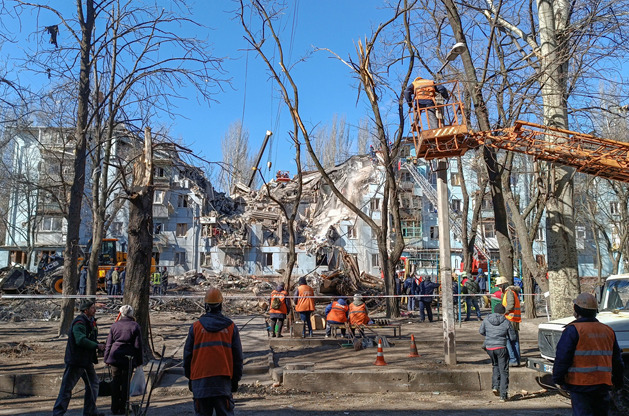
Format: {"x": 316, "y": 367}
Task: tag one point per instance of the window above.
{"x": 268, "y": 259}
{"x": 375, "y": 260}
{"x": 159, "y": 172}
{"x": 51, "y": 224}
{"x": 158, "y": 197}
{"x": 182, "y": 229}
{"x": 351, "y": 231}
{"x": 411, "y": 229}
{"x": 539, "y": 235}
{"x": 486, "y": 204}
{"x": 614, "y": 208}
{"x": 374, "y": 204}
{"x": 206, "y": 260}
{"x": 431, "y": 207}
{"x": 580, "y": 236}
{"x": 434, "y": 233}
{"x": 489, "y": 230}
{"x": 455, "y": 179}
{"x": 182, "y": 201}
{"x": 157, "y": 228}
{"x": 406, "y": 177}
{"x": 180, "y": 258}
{"x": 234, "y": 259}
{"x": 456, "y": 205}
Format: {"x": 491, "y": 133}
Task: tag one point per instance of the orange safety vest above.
{"x": 338, "y": 313}
{"x": 305, "y": 304}
{"x": 514, "y": 316}
{"x": 212, "y": 354}
{"x": 358, "y": 314}
{"x": 281, "y": 296}
{"x": 424, "y": 89}
{"x": 592, "y": 362}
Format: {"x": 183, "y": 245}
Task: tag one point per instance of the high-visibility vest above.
{"x": 338, "y": 313}
{"x": 424, "y": 89}
{"x": 157, "y": 279}
{"x": 305, "y": 304}
{"x": 281, "y": 296}
{"x": 514, "y": 316}
{"x": 592, "y": 362}
{"x": 212, "y": 354}
{"x": 358, "y": 314}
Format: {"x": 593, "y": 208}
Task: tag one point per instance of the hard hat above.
{"x": 586, "y": 301}
{"x": 213, "y": 295}
{"x": 501, "y": 281}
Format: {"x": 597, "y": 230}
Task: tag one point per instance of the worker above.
{"x": 80, "y": 358}
{"x": 123, "y": 277}
{"x": 124, "y": 341}
{"x": 511, "y": 302}
{"x": 407, "y": 288}
{"x": 156, "y": 282}
{"x": 358, "y": 314}
{"x": 497, "y": 331}
{"x": 279, "y": 306}
{"x": 108, "y": 283}
{"x": 336, "y": 314}
{"x": 115, "y": 281}
{"x": 471, "y": 289}
{"x": 496, "y": 297}
{"x": 422, "y": 92}
{"x": 426, "y": 289}
{"x": 305, "y": 304}
{"x": 213, "y": 359}
{"x": 588, "y": 361}
{"x": 83, "y": 281}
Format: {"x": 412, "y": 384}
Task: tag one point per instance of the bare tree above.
{"x": 236, "y": 157}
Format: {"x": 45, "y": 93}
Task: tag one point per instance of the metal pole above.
{"x": 445, "y": 263}
{"x": 255, "y": 167}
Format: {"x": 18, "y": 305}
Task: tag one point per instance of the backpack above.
{"x": 472, "y": 287}
{"x": 276, "y": 303}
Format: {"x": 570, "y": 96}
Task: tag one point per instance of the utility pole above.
{"x": 445, "y": 256}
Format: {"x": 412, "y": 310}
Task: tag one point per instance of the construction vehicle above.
{"x": 17, "y": 279}
{"x": 613, "y": 301}
{"x": 110, "y": 256}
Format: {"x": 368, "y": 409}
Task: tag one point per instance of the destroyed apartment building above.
{"x": 253, "y": 239}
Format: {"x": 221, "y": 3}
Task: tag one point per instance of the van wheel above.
{"x": 56, "y": 284}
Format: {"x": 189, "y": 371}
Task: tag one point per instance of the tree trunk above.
{"x": 70, "y": 253}
{"x": 140, "y": 232}
{"x": 561, "y": 244}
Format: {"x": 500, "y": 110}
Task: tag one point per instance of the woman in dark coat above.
{"x": 124, "y": 340}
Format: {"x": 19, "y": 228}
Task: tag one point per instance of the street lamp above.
{"x": 445, "y": 260}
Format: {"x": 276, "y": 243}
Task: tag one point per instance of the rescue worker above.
{"x": 213, "y": 359}
{"x": 588, "y": 361}
{"x": 511, "y": 302}
{"x": 422, "y": 92}
{"x": 305, "y": 304}
{"x": 426, "y": 289}
{"x": 358, "y": 314}
{"x": 279, "y": 306}
{"x": 496, "y": 297}
{"x": 156, "y": 282}
{"x": 115, "y": 281}
{"x": 80, "y": 358}
{"x": 336, "y": 314}
{"x": 472, "y": 289}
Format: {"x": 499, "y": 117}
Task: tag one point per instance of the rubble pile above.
{"x": 29, "y": 309}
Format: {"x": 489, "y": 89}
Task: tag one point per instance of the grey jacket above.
{"x": 496, "y": 329}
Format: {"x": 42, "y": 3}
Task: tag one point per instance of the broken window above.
{"x": 268, "y": 259}
{"x": 581, "y": 236}
{"x": 489, "y": 230}
{"x": 434, "y": 233}
{"x": 180, "y": 258}
{"x": 374, "y": 204}
{"x": 351, "y": 231}
{"x": 159, "y": 172}
{"x": 182, "y": 229}
{"x": 486, "y": 204}
{"x": 456, "y": 205}
{"x": 234, "y": 259}
{"x": 158, "y": 197}
{"x": 614, "y": 208}
{"x": 322, "y": 258}
{"x": 157, "y": 228}
{"x": 182, "y": 201}
{"x": 51, "y": 224}
{"x": 375, "y": 260}
{"x": 455, "y": 179}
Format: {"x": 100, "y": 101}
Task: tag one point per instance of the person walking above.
{"x": 336, "y": 314}
{"x": 124, "y": 341}
{"x": 80, "y": 357}
{"x": 305, "y": 304}
{"x": 471, "y": 300}
{"x": 279, "y": 307}
{"x": 83, "y": 281}
{"x": 213, "y": 359}
{"x": 108, "y": 283}
{"x": 426, "y": 289}
{"x": 115, "y": 281}
{"x": 497, "y": 331}
{"x": 588, "y": 360}
{"x": 422, "y": 93}
{"x": 511, "y": 302}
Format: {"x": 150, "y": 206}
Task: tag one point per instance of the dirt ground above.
{"x": 28, "y": 343}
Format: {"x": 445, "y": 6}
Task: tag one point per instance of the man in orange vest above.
{"x": 212, "y": 359}
{"x": 305, "y": 304}
{"x": 511, "y": 302}
{"x": 422, "y": 92}
{"x": 588, "y": 361}
{"x": 336, "y": 314}
{"x": 358, "y": 314}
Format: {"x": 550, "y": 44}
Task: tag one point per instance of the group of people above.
{"x": 212, "y": 359}
{"x": 339, "y": 313}
{"x": 114, "y": 280}
{"x": 159, "y": 281}
{"x": 122, "y": 351}
{"x": 420, "y": 294}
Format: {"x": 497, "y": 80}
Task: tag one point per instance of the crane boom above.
{"x": 259, "y": 157}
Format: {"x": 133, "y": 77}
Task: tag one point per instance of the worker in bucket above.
{"x": 336, "y": 314}
{"x": 212, "y": 359}
{"x": 588, "y": 361}
{"x": 422, "y": 93}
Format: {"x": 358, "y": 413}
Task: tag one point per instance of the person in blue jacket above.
{"x": 426, "y": 289}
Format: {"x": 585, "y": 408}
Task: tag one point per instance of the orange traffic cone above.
{"x": 380, "y": 356}
{"x": 413, "y": 352}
